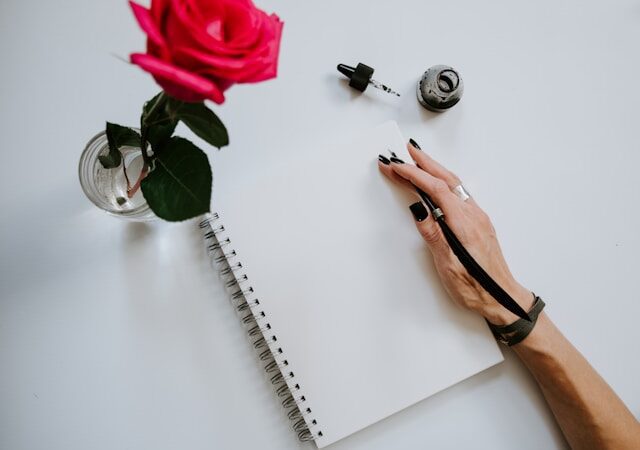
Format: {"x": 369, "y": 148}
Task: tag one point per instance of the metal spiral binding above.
{"x": 263, "y": 337}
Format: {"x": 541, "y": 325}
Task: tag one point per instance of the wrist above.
{"x": 538, "y": 339}
{"x": 516, "y": 332}
{"x": 499, "y": 315}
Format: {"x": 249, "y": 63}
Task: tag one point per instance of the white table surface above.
{"x": 117, "y": 335}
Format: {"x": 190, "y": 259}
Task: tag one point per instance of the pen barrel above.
{"x": 478, "y": 273}
{"x": 427, "y": 200}
{"x": 470, "y": 264}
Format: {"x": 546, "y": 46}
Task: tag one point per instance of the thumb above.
{"x": 428, "y": 228}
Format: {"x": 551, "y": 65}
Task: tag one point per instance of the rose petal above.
{"x": 159, "y": 9}
{"x": 274, "y": 44}
{"x": 183, "y": 28}
{"x": 187, "y": 27}
{"x": 178, "y": 82}
{"x": 241, "y": 22}
{"x": 219, "y": 66}
{"x": 269, "y": 68}
{"x": 147, "y": 24}
{"x": 258, "y": 65}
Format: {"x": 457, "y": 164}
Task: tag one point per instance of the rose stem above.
{"x": 126, "y": 177}
{"x": 143, "y": 173}
{"x": 160, "y": 101}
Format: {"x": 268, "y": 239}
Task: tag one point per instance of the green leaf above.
{"x": 179, "y": 186}
{"x": 158, "y": 133}
{"x": 149, "y": 105}
{"x": 118, "y": 136}
{"x": 110, "y": 160}
{"x": 204, "y": 123}
{"x": 161, "y": 122}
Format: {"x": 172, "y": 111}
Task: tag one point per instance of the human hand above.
{"x": 473, "y": 228}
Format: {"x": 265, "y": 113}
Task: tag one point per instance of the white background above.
{"x": 117, "y": 335}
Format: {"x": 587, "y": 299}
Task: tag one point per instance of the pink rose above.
{"x": 196, "y": 49}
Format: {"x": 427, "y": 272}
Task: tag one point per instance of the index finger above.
{"x": 435, "y": 187}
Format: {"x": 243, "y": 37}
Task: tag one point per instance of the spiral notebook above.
{"x": 338, "y": 291}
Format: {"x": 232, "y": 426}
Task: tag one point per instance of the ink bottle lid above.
{"x": 440, "y": 88}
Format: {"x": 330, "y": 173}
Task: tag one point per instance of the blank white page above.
{"x": 348, "y": 287}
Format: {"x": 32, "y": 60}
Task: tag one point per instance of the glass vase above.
{"x": 110, "y": 189}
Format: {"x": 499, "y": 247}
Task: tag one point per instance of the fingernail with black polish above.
{"x": 419, "y": 211}
{"x": 393, "y": 154}
{"x": 414, "y": 143}
{"x": 384, "y": 160}
{"x": 396, "y": 160}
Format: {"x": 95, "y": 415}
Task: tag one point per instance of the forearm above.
{"x": 589, "y": 413}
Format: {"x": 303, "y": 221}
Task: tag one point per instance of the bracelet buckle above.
{"x": 517, "y": 331}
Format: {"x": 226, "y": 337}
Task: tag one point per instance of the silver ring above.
{"x": 461, "y": 192}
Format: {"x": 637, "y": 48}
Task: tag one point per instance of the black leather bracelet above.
{"x": 516, "y": 332}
